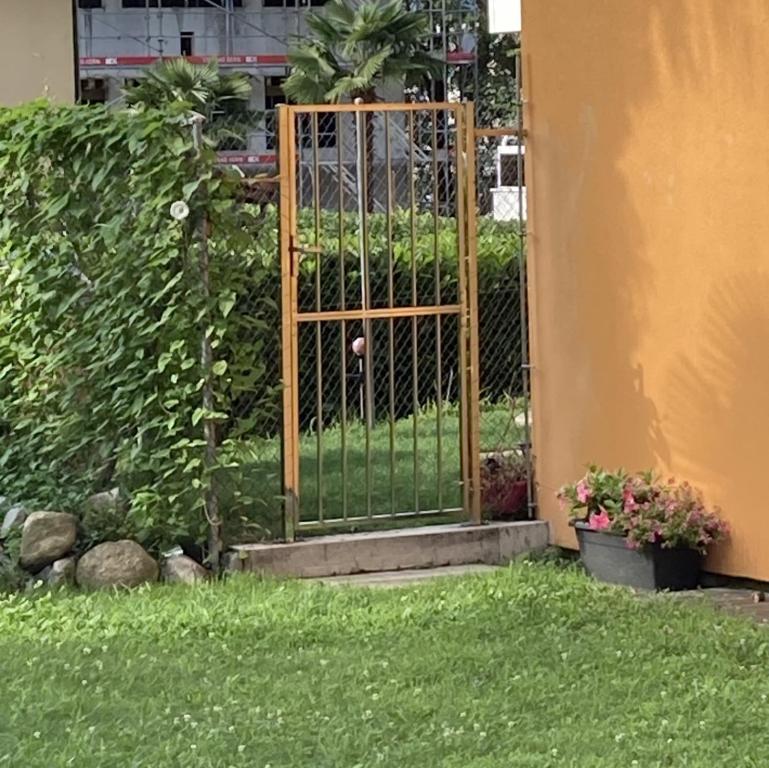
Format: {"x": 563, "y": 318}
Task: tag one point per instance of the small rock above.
{"x": 106, "y": 501}
{"x": 61, "y": 573}
{"x": 15, "y": 516}
{"x": 116, "y": 564}
{"x": 181, "y": 569}
{"x": 46, "y": 537}
{"x": 232, "y": 562}
{"x": 759, "y": 597}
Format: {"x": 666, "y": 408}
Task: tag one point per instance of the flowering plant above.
{"x": 643, "y": 509}
{"x": 504, "y": 491}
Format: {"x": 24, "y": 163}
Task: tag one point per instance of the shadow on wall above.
{"x": 605, "y": 83}
{"x": 723, "y": 380}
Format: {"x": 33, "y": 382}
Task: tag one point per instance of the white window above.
{"x": 504, "y": 16}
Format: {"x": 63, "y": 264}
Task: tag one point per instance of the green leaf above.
{"x": 163, "y": 361}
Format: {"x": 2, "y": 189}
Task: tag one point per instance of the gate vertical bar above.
{"x": 523, "y": 228}
{"x": 471, "y": 263}
{"x": 391, "y": 305}
{"x": 343, "y": 305}
{"x": 438, "y": 320}
{"x": 290, "y": 436}
{"x": 414, "y": 303}
{"x": 464, "y": 407}
{"x": 316, "y": 203}
{"x": 363, "y": 125}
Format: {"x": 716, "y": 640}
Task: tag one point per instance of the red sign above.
{"x": 257, "y": 60}
{"x": 460, "y": 57}
{"x": 262, "y": 59}
{"x": 228, "y": 158}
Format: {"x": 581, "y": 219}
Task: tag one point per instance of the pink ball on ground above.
{"x": 359, "y": 346}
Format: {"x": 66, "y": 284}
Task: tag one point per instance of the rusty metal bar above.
{"x": 523, "y": 225}
{"x": 438, "y": 344}
{"x": 417, "y": 106}
{"x": 414, "y": 303}
{"x": 391, "y": 305}
{"x": 362, "y": 138}
{"x": 343, "y": 305}
{"x": 315, "y": 142}
{"x": 464, "y": 409}
{"x": 290, "y": 441}
{"x": 474, "y": 447}
{"x": 382, "y": 313}
{"x": 499, "y": 133}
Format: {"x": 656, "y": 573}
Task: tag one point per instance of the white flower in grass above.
{"x": 179, "y": 210}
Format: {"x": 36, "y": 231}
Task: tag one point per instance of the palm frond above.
{"x": 200, "y": 86}
{"x": 305, "y": 89}
{"x": 347, "y": 88}
{"x": 372, "y": 66}
{"x": 356, "y": 47}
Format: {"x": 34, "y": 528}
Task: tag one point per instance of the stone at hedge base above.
{"x": 116, "y": 564}
{"x": 45, "y": 538}
{"x": 180, "y": 569}
{"x": 60, "y": 573}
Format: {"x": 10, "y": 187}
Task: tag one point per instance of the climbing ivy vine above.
{"x": 102, "y": 312}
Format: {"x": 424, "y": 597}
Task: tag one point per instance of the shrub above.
{"x": 644, "y": 509}
{"x": 504, "y": 485}
{"x": 498, "y": 251}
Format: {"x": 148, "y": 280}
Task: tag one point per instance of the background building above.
{"x": 37, "y": 52}
{"x": 118, "y": 39}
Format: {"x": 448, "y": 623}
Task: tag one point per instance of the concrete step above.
{"x": 404, "y": 549}
{"x": 392, "y": 579}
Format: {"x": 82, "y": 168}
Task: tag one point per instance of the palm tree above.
{"x": 221, "y": 98}
{"x": 356, "y": 48}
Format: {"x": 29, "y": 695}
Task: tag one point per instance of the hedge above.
{"x": 498, "y": 251}
{"x": 102, "y": 313}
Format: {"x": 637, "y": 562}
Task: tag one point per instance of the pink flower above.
{"x": 583, "y": 492}
{"x": 628, "y": 500}
{"x": 600, "y": 521}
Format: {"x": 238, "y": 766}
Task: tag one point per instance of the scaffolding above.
{"x": 119, "y": 39}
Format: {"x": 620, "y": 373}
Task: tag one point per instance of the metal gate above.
{"x": 380, "y": 315}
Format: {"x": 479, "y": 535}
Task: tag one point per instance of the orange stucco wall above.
{"x": 648, "y": 168}
{"x": 36, "y": 51}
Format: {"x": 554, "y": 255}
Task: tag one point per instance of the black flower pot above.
{"x": 607, "y": 557}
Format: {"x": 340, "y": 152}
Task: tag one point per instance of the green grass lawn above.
{"x": 410, "y": 477}
{"x": 532, "y": 666}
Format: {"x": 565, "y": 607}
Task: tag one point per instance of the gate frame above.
{"x": 466, "y": 310}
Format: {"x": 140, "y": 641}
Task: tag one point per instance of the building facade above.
{"x": 118, "y": 39}
{"x": 648, "y": 282}
{"x": 37, "y": 51}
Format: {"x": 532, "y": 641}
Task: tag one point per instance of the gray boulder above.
{"x": 180, "y": 569}
{"x": 14, "y": 517}
{"x": 107, "y": 501}
{"x": 61, "y": 573}
{"x": 46, "y": 537}
{"x": 116, "y": 564}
